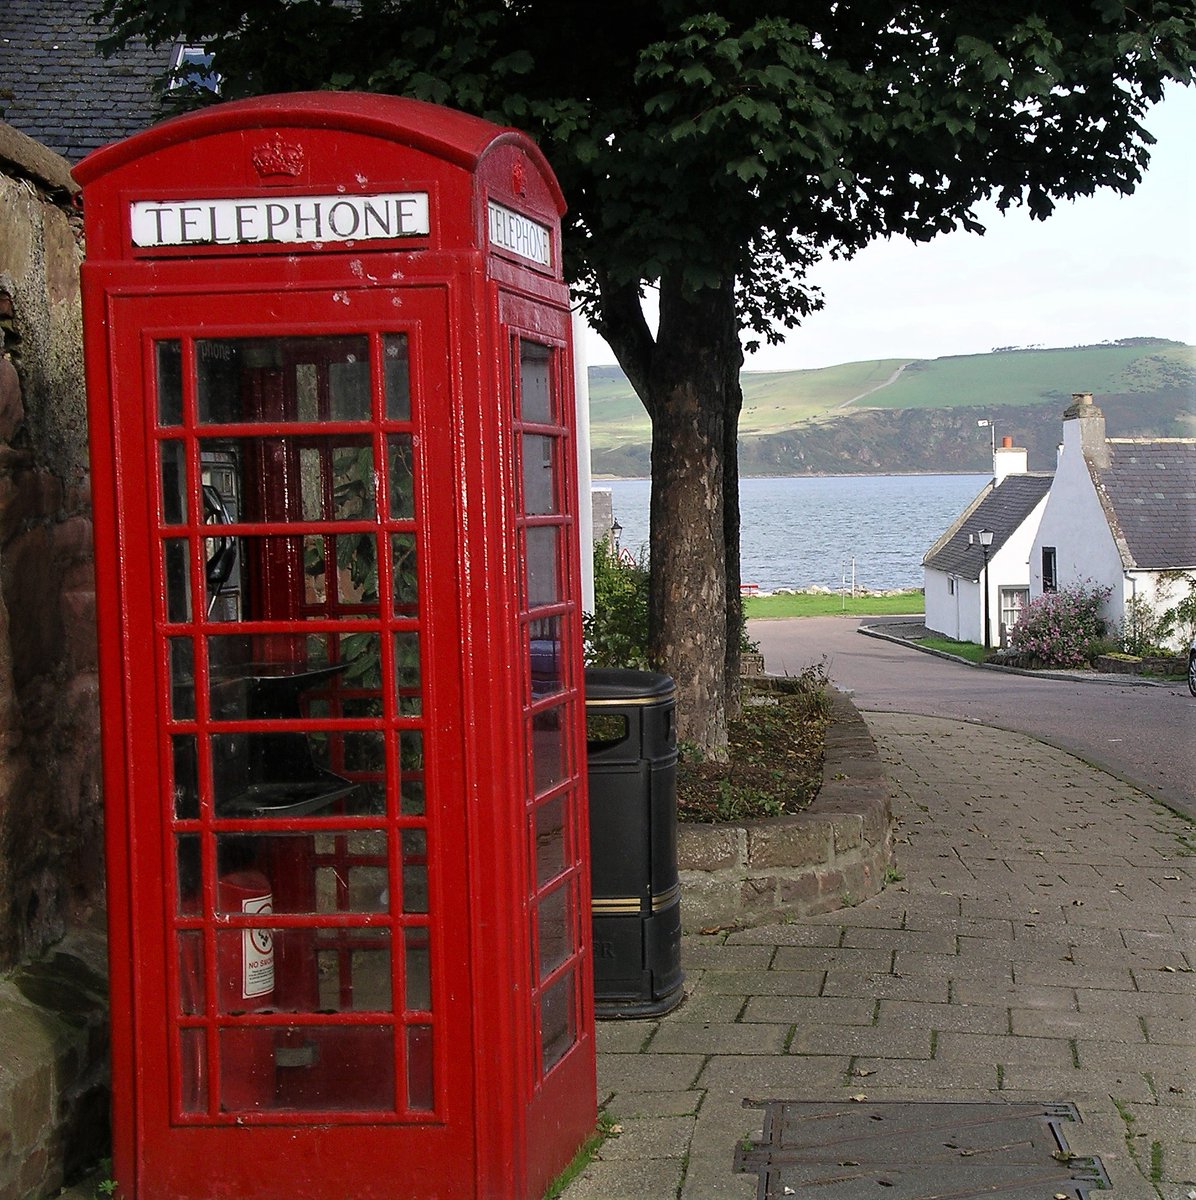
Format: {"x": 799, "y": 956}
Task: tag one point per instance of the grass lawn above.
{"x": 969, "y": 650}
{"x": 826, "y": 604}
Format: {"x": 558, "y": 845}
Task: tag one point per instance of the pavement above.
{"x": 1037, "y": 945}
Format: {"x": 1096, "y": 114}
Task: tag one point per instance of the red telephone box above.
{"x": 335, "y": 501}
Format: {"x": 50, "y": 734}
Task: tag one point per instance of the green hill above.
{"x": 920, "y": 415}
{"x": 1033, "y": 376}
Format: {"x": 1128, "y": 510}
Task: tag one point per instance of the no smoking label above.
{"x": 257, "y": 951}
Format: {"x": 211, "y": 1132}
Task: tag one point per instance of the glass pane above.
{"x": 278, "y": 775}
{"x": 188, "y": 874}
{"x": 306, "y": 873}
{"x": 316, "y": 552}
{"x": 411, "y": 773}
{"x": 193, "y": 1062}
{"x": 302, "y": 563}
{"x": 407, "y": 672}
{"x": 300, "y": 479}
{"x": 534, "y": 389}
{"x": 418, "y": 971}
{"x": 539, "y": 474}
{"x": 182, "y": 678}
{"x": 550, "y": 839}
{"x": 178, "y": 581}
{"x": 353, "y": 966}
{"x": 548, "y": 750}
{"x": 174, "y": 480}
{"x": 191, "y": 986}
{"x": 544, "y": 656}
{"x": 357, "y": 752}
{"x": 543, "y": 573}
{"x": 352, "y": 482}
{"x": 401, "y": 453}
{"x": 186, "y": 778}
{"x": 267, "y": 675}
{"x": 353, "y": 559}
{"x": 312, "y": 1068}
{"x": 396, "y": 376}
{"x": 311, "y": 486}
{"x": 419, "y": 1068}
{"x": 415, "y": 871}
{"x": 557, "y": 1021}
{"x": 307, "y": 391}
{"x": 282, "y": 379}
{"x": 349, "y": 388}
{"x": 555, "y": 928}
{"x": 169, "y": 362}
{"x": 352, "y": 873}
{"x": 405, "y": 574}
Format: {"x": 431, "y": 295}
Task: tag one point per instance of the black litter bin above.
{"x": 631, "y": 741}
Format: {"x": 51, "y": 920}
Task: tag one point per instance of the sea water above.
{"x": 822, "y": 530}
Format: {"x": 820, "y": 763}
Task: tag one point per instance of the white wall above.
{"x": 1160, "y": 594}
{"x": 942, "y": 608}
{"x": 1074, "y": 523}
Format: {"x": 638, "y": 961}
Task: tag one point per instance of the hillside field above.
{"x": 830, "y": 420}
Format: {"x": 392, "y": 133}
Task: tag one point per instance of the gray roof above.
{"x": 1001, "y": 509}
{"x": 55, "y": 87}
{"x": 1149, "y": 487}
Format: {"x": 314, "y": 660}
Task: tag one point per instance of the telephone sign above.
{"x": 310, "y": 220}
{"x": 329, "y": 376}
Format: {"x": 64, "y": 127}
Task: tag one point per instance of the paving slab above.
{"x": 1039, "y": 945}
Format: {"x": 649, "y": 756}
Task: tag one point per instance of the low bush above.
{"x": 1063, "y": 628}
{"x": 616, "y": 632}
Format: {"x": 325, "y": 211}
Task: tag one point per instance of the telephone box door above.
{"x": 293, "y": 664}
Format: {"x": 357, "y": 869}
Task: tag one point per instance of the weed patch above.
{"x": 775, "y": 753}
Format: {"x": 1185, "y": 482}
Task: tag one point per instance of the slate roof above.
{"x": 55, "y": 87}
{"x": 1149, "y": 489}
{"x": 1001, "y": 509}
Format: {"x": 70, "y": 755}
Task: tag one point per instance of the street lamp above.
{"x": 986, "y": 540}
{"x": 991, "y": 426}
{"x": 616, "y": 531}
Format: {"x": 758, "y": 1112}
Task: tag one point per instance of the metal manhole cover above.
{"x": 894, "y": 1150}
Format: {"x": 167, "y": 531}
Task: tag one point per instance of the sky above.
{"x": 1100, "y": 268}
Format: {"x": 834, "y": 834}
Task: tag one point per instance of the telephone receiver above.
{"x": 221, "y": 561}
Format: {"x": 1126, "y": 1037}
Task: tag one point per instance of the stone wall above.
{"x": 51, "y": 863}
{"x": 53, "y": 1003}
{"x": 834, "y": 854}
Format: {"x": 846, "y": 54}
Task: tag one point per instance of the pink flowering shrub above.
{"x": 1059, "y": 629}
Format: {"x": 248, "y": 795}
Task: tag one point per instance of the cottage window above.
{"x": 1050, "y": 575}
{"x": 1012, "y": 602}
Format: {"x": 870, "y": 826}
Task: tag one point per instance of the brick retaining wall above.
{"x": 834, "y": 854}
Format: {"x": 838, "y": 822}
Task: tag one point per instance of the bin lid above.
{"x": 622, "y": 685}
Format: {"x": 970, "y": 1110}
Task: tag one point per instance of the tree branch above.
{"x": 620, "y": 320}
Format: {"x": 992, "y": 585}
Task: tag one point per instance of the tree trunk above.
{"x": 688, "y": 379}
{"x": 732, "y": 406}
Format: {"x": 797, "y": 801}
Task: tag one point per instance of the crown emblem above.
{"x": 278, "y": 158}
{"x": 518, "y": 179}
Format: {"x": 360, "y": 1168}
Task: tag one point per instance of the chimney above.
{"x": 1008, "y": 459}
{"x": 1084, "y": 428}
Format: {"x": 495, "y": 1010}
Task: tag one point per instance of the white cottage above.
{"x": 1122, "y": 513}
{"x": 969, "y": 584}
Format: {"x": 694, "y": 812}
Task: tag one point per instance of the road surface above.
{"x": 1144, "y": 734}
